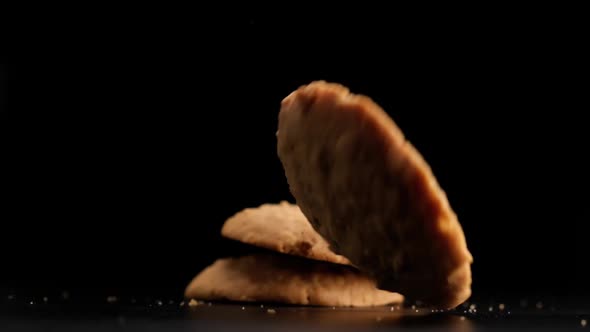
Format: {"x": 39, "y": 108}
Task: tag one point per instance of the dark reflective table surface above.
{"x": 66, "y": 312}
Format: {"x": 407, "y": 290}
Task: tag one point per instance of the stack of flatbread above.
{"x": 303, "y": 271}
{"x": 370, "y": 222}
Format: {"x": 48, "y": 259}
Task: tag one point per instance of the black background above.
{"x": 127, "y": 142}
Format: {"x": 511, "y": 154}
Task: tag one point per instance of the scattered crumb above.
{"x": 473, "y": 307}
{"x": 413, "y": 307}
{"x": 539, "y": 305}
{"x": 490, "y": 309}
{"x": 111, "y": 299}
{"x": 462, "y": 317}
{"x": 182, "y": 303}
{"x": 31, "y": 303}
{"x": 271, "y": 311}
{"x": 501, "y": 306}
{"x": 583, "y": 322}
{"x": 262, "y": 306}
{"x": 45, "y": 299}
{"x": 193, "y": 303}
{"x": 243, "y": 308}
{"x": 417, "y": 310}
{"x": 391, "y": 308}
{"x": 159, "y": 303}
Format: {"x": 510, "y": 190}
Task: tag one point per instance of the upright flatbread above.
{"x": 371, "y": 195}
{"x": 282, "y": 228}
{"x": 289, "y": 280}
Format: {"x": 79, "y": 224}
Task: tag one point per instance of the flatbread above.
{"x": 287, "y": 279}
{"x": 282, "y": 228}
{"x": 371, "y": 194}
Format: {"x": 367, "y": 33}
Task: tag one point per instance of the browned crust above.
{"x": 413, "y": 242}
{"x": 280, "y": 227}
{"x": 287, "y": 279}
